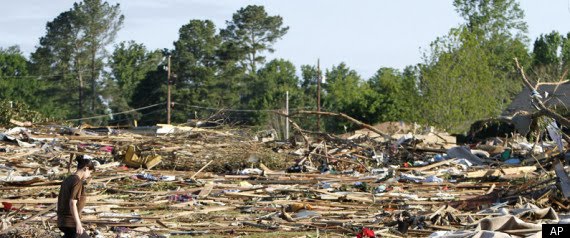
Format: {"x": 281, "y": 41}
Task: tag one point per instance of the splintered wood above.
{"x": 236, "y": 182}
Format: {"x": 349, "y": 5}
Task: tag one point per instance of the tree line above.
{"x": 465, "y": 75}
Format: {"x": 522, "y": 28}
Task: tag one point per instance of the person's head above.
{"x": 84, "y": 167}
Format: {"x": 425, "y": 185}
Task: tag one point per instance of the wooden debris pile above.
{"x": 213, "y": 182}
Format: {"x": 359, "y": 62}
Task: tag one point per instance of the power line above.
{"x": 240, "y": 110}
{"x": 229, "y": 110}
{"x": 187, "y": 105}
{"x": 128, "y": 119}
{"x": 46, "y": 76}
{"x": 117, "y": 113}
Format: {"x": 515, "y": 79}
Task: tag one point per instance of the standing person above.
{"x": 71, "y": 199}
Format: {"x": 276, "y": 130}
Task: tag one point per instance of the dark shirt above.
{"x": 71, "y": 188}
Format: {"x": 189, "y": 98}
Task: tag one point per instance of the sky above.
{"x": 365, "y": 34}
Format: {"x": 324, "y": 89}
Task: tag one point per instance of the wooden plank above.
{"x": 347, "y": 196}
{"x": 245, "y": 194}
{"x": 205, "y": 191}
{"x": 427, "y": 167}
{"x": 490, "y": 189}
{"x": 203, "y": 167}
{"x": 121, "y": 224}
{"x": 203, "y": 211}
{"x": 500, "y": 172}
{"x": 48, "y": 200}
{"x": 563, "y": 178}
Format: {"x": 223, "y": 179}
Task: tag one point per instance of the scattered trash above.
{"x": 147, "y": 176}
{"x": 411, "y": 177}
{"x": 438, "y": 158}
{"x": 380, "y": 189}
{"x": 167, "y": 178}
{"x": 180, "y": 198}
{"x": 135, "y": 160}
{"x": 461, "y": 152}
{"x": 251, "y": 172}
{"x": 513, "y": 161}
{"x": 325, "y": 185}
{"x": 432, "y": 179}
{"x": 303, "y": 214}
{"x": 226, "y": 183}
{"x": 365, "y": 233}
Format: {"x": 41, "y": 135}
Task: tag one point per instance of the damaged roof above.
{"x": 554, "y": 95}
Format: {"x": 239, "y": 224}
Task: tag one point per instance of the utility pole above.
{"x": 318, "y": 94}
{"x": 287, "y": 118}
{"x": 168, "y": 100}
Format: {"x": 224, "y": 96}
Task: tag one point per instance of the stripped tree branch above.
{"x": 347, "y": 117}
{"x": 544, "y": 110}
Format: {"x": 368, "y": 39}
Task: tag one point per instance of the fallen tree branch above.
{"x": 347, "y": 117}
{"x": 298, "y": 129}
{"x": 560, "y": 172}
{"x": 544, "y": 110}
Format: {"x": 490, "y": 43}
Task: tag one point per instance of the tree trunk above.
{"x": 252, "y": 63}
{"x": 93, "y": 79}
{"x": 80, "y": 95}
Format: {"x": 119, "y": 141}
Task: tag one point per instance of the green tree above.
{"x": 398, "y": 93}
{"x": 469, "y": 74}
{"x": 151, "y": 90}
{"x": 130, "y": 62}
{"x": 500, "y": 27}
{"x": 309, "y": 80}
{"x": 545, "y": 50}
{"x": 550, "y": 57}
{"x": 387, "y": 82}
{"x": 270, "y": 86}
{"x": 99, "y": 23}
{"x": 274, "y": 79}
{"x": 253, "y": 31}
{"x": 346, "y": 92}
{"x": 309, "y": 75}
{"x": 267, "y": 91}
{"x": 74, "y": 49}
{"x": 230, "y": 84}
{"x": 17, "y": 86}
{"x": 491, "y": 18}
{"x": 57, "y": 62}
{"x": 411, "y": 94}
{"x": 565, "y": 51}
{"x": 195, "y": 64}
{"x": 460, "y": 86}
{"x": 12, "y": 62}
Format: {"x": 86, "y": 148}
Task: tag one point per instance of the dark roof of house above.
{"x": 553, "y": 95}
